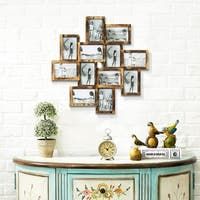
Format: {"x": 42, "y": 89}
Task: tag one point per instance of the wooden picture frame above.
{"x": 109, "y": 78}
{"x": 95, "y": 29}
{"x": 82, "y": 96}
{"x": 69, "y": 47}
{"x": 105, "y": 101}
{"x": 64, "y": 70}
{"x": 118, "y": 33}
{"x": 113, "y": 55}
{"x": 131, "y": 82}
{"x": 88, "y": 73}
{"x": 137, "y": 59}
{"x": 91, "y": 52}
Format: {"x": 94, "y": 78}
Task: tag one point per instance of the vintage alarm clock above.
{"x": 107, "y": 148}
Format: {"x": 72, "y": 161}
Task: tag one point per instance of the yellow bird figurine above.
{"x": 152, "y": 140}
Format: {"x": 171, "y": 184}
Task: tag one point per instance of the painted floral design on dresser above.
{"x": 178, "y": 194}
{"x": 32, "y": 186}
{"x": 102, "y": 191}
{"x": 175, "y": 187}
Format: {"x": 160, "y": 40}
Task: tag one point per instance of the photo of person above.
{"x": 87, "y": 73}
{"x": 135, "y": 58}
{"x": 109, "y": 78}
{"x": 131, "y": 82}
{"x": 95, "y": 28}
{"x": 91, "y": 52}
{"x": 106, "y": 103}
{"x": 113, "y": 56}
{"x": 69, "y": 47}
{"x": 82, "y": 97}
{"x": 118, "y": 33}
{"x": 64, "y": 70}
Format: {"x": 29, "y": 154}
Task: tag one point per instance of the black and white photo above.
{"x": 136, "y": 59}
{"x": 113, "y": 55}
{"x": 69, "y": 47}
{"x": 64, "y": 70}
{"x": 109, "y": 78}
{"x": 105, "y": 101}
{"x": 118, "y": 33}
{"x": 95, "y": 29}
{"x": 91, "y": 52}
{"x": 82, "y": 96}
{"x": 131, "y": 82}
{"x": 87, "y": 71}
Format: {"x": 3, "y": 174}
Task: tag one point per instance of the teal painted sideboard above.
{"x": 89, "y": 178}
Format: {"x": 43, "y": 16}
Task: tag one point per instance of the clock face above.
{"x": 107, "y": 149}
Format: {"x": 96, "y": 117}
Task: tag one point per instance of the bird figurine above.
{"x": 170, "y": 139}
{"x": 152, "y": 140}
{"x": 171, "y": 129}
{"x": 137, "y": 142}
{"x": 135, "y": 153}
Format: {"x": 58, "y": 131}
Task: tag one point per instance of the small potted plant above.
{"x": 46, "y": 128}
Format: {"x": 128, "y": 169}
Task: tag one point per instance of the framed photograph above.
{"x": 64, "y": 71}
{"x": 91, "y": 52}
{"x": 114, "y": 55}
{"x": 109, "y": 78}
{"x": 137, "y": 59}
{"x": 105, "y": 101}
{"x": 118, "y": 33}
{"x": 69, "y": 47}
{"x": 131, "y": 82}
{"x": 95, "y": 29}
{"x": 87, "y": 72}
{"x": 82, "y": 96}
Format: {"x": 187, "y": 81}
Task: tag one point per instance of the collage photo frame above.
{"x": 100, "y": 65}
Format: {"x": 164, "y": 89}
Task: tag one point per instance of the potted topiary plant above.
{"x": 46, "y": 128}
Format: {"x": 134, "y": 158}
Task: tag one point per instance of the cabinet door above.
{"x": 173, "y": 183}
{"x": 103, "y": 187}
{"x": 35, "y": 183}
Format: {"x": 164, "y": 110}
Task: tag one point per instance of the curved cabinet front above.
{"x": 101, "y": 183}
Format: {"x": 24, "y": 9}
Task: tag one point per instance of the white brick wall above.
{"x": 29, "y": 40}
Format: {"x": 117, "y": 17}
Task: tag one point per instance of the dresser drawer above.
{"x": 101, "y": 187}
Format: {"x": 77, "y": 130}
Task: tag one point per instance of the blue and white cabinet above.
{"x": 88, "y": 178}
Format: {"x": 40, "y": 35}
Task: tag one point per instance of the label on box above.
{"x": 161, "y": 153}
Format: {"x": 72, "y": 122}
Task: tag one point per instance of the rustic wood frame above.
{"x": 128, "y": 26}
{"x": 110, "y": 86}
{"x": 62, "y": 36}
{"x": 121, "y": 55}
{"x": 138, "y": 93}
{"x": 88, "y": 18}
{"x": 95, "y": 74}
{"x": 91, "y": 60}
{"x": 72, "y": 104}
{"x": 53, "y": 76}
{"x": 98, "y": 111}
{"x": 145, "y": 67}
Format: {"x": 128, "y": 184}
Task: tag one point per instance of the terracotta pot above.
{"x": 46, "y": 147}
{"x": 135, "y": 154}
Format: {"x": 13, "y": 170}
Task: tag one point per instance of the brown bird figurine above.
{"x": 137, "y": 142}
{"x": 152, "y": 140}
